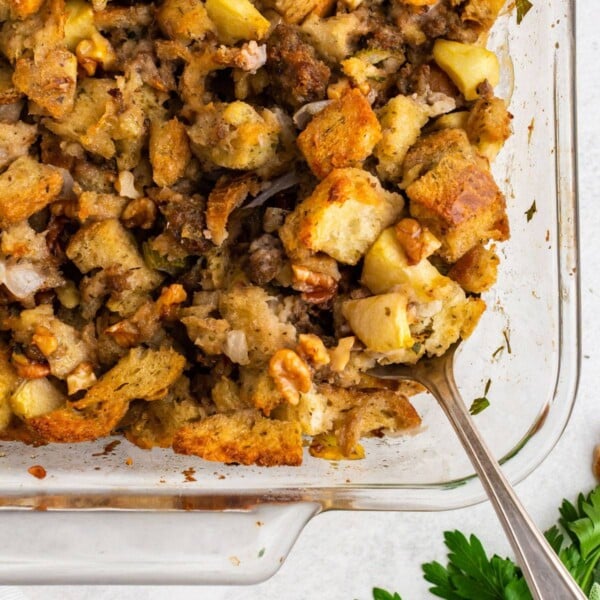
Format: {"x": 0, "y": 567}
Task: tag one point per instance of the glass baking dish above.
{"x": 118, "y": 514}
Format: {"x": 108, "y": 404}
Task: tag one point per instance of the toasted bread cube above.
{"x": 235, "y": 135}
{"x": 380, "y": 322}
{"x": 36, "y": 397}
{"x": 237, "y": 20}
{"x": 26, "y": 187}
{"x": 477, "y": 270}
{"x": 467, "y": 65}
{"x": 50, "y": 81}
{"x": 103, "y": 244}
{"x": 294, "y": 11}
{"x": 184, "y": 20}
{"x": 335, "y": 37}
{"x": 429, "y": 149}
{"x": 169, "y": 151}
{"x": 15, "y": 140}
{"x": 401, "y": 121}
{"x": 98, "y": 207}
{"x": 245, "y": 437}
{"x": 247, "y": 309}
{"x": 343, "y": 134}
{"x": 342, "y": 217}
{"x": 482, "y": 13}
{"x": 140, "y": 374}
{"x": 488, "y": 126}
{"x": 461, "y": 204}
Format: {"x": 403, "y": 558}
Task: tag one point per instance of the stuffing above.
{"x": 15, "y": 141}
{"x": 334, "y": 37}
{"x": 461, "y": 204}
{"x": 235, "y": 135}
{"x": 244, "y": 437}
{"x": 212, "y": 185}
{"x": 293, "y": 11}
{"x": 62, "y": 345}
{"x": 477, "y": 270}
{"x": 108, "y": 245}
{"x": 169, "y": 151}
{"x": 248, "y": 309}
{"x": 401, "y": 121}
{"x": 342, "y": 217}
{"x": 226, "y": 196}
{"x": 26, "y": 187}
{"x": 141, "y": 374}
{"x": 155, "y": 423}
{"x": 184, "y": 20}
{"x": 326, "y": 143}
{"x": 49, "y": 80}
{"x": 488, "y": 126}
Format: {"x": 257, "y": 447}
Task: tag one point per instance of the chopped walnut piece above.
{"x": 596, "y": 463}
{"x": 416, "y": 241}
{"x": 316, "y": 288}
{"x": 140, "y": 212}
{"x": 290, "y": 373}
{"x": 311, "y": 347}
{"x": 27, "y": 368}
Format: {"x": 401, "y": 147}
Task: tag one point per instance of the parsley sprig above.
{"x": 471, "y": 575}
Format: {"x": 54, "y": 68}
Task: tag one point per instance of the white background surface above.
{"x": 343, "y": 555}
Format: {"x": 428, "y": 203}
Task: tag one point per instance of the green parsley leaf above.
{"x": 379, "y": 594}
{"x": 595, "y": 592}
{"x": 523, "y": 7}
{"x": 531, "y": 211}
{"x": 479, "y": 405}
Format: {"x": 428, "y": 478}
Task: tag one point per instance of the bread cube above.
{"x": 26, "y": 187}
{"x": 294, "y": 11}
{"x": 334, "y": 37}
{"x": 488, "y": 126}
{"x": 8, "y": 381}
{"x": 342, "y": 217}
{"x": 184, "y": 20}
{"x": 477, "y": 270}
{"x": 15, "y": 140}
{"x": 401, "y": 120}
{"x": 169, "y": 151}
{"x": 342, "y": 135}
{"x": 461, "y": 204}
{"x": 140, "y": 374}
{"x": 245, "y": 437}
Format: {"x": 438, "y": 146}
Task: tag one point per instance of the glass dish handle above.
{"x": 133, "y": 547}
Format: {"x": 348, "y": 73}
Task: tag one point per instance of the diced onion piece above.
{"x": 236, "y": 347}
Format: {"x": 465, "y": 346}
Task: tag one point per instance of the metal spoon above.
{"x": 547, "y": 577}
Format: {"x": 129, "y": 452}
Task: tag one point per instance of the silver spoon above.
{"x": 547, "y": 577}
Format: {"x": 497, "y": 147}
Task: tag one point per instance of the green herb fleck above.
{"x": 488, "y": 384}
{"x": 416, "y": 347}
{"x": 479, "y": 405}
{"x": 261, "y": 553}
{"x": 523, "y": 7}
{"x": 379, "y": 594}
{"x": 531, "y": 211}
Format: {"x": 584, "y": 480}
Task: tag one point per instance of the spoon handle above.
{"x": 546, "y": 575}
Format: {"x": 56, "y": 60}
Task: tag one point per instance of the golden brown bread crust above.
{"x": 142, "y": 373}
{"x": 343, "y": 134}
{"x": 342, "y": 217}
{"x": 169, "y": 151}
{"x": 245, "y": 437}
{"x": 477, "y": 270}
{"x": 26, "y": 187}
{"x": 225, "y": 197}
{"x": 461, "y": 204}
